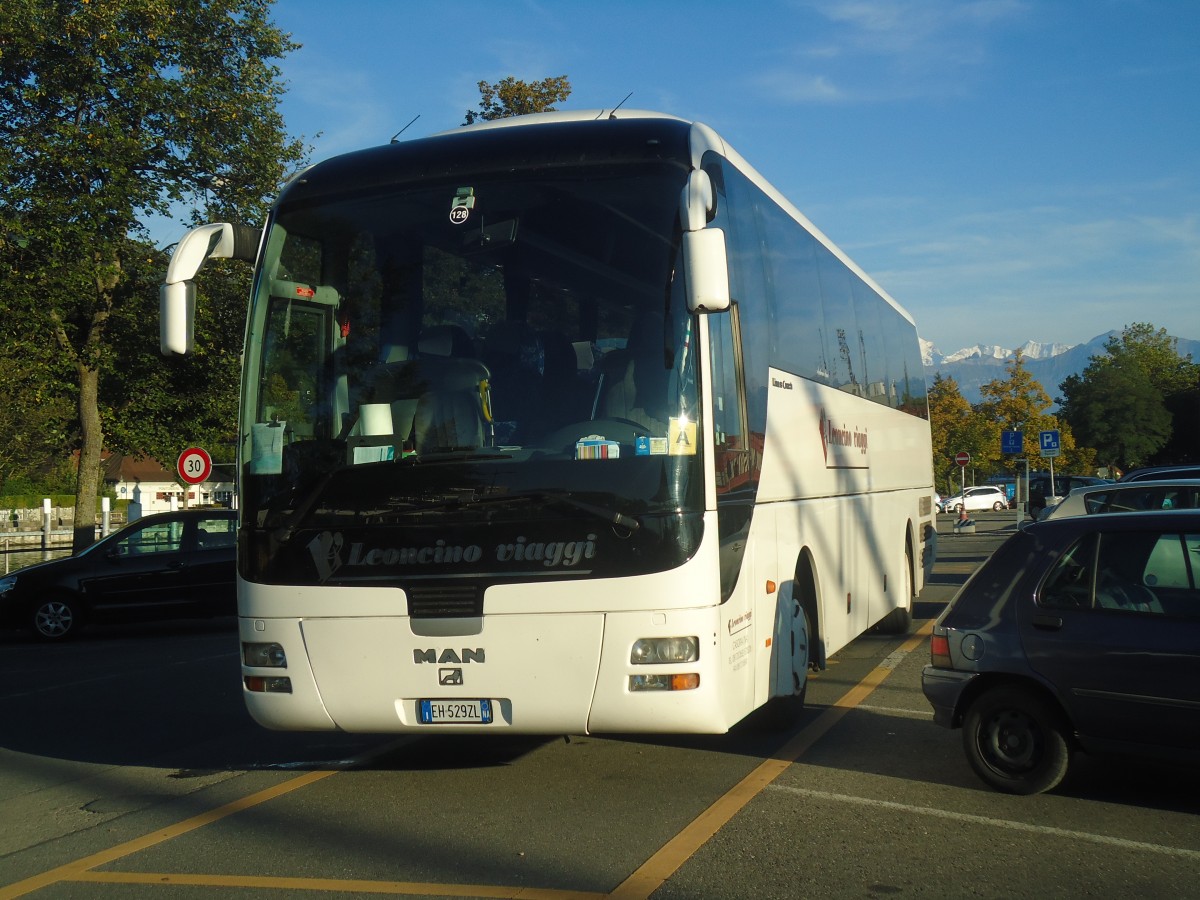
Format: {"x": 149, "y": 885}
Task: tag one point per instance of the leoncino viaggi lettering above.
{"x": 330, "y": 553}
{"x": 842, "y": 445}
{"x": 842, "y": 436}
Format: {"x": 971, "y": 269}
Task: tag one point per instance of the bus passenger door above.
{"x": 735, "y": 481}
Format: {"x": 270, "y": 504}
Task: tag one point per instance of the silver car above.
{"x": 1132, "y": 496}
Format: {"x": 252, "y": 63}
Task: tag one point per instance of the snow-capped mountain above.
{"x": 1031, "y": 350}
{"x": 1050, "y": 364}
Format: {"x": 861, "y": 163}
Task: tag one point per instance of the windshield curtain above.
{"x": 461, "y": 350}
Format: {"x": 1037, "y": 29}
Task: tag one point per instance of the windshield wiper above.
{"x": 466, "y": 500}
{"x": 608, "y": 515}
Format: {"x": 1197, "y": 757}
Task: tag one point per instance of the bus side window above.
{"x": 732, "y": 458}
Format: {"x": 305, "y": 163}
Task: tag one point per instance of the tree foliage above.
{"x": 513, "y": 97}
{"x": 955, "y": 428}
{"x": 1015, "y": 402}
{"x": 1122, "y": 403}
{"x": 1019, "y": 402}
{"x": 111, "y": 112}
{"x": 1155, "y": 353}
{"x": 36, "y": 409}
{"x": 1117, "y": 410}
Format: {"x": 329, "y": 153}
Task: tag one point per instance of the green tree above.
{"x": 1019, "y": 402}
{"x": 1155, "y": 353}
{"x": 111, "y": 112}
{"x": 36, "y": 405}
{"x": 512, "y": 97}
{"x": 1122, "y": 402}
{"x": 955, "y": 427}
{"x": 156, "y": 406}
{"x": 1117, "y": 409}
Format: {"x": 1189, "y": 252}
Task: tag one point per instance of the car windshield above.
{"x": 462, "y": 350}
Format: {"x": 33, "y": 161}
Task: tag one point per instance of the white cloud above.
{"x": 792, "y": 87}
{"x": 901, "y": 27}
{"x": 1046, "y": 273}
{"x": 857, "y": 51}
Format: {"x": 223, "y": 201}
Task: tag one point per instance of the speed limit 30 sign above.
{"x": 195, "y": 465}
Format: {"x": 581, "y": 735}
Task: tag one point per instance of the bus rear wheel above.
{"x": 899, "y": 620}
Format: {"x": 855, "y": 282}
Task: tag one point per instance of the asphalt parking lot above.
{"x": 129, "y": 769}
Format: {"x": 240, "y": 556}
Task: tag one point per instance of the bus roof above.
{"x": 506, "y": 142}
{"x": 565, "y": 115}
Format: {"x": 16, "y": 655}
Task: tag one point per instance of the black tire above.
{"x": 1016, "y": 741}
{"x": 999, "y": 507}
{"x": 958, "y": 508}
{"x": 56, "y": 618}
{"x": 782, "y": 713}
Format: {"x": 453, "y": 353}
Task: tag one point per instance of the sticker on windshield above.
{"x": 681, "y": 437}
{"x": 462, "y": 204}
{"x": 594, "y": 446}
{"x": 646, "y": 445}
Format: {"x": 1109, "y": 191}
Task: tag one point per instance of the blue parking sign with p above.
{"x": 1012, "y": 441}
{"x": 1049, "y": 443}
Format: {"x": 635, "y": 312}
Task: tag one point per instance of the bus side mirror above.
{"x": 705, "y": 271}
{"x": 176, "y": 318}
{"x": 177, "y": 296}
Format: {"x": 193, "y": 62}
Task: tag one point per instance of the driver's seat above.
{"x": 450, "y": 415}
{"x": 633, "y": 382}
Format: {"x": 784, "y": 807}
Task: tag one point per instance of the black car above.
{"x": 1043, "y": 493}
{"x": 1079, "y": 633}
{"x": 170, "y": 565}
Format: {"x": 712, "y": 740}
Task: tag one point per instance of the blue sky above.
{"x": 1007, "y": 169}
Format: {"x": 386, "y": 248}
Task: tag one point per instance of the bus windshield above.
{"x": 466, "y": 350}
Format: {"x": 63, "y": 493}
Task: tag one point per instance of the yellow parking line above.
{"x": 338, "y": 885}
{"x": 78, "y": 870}
{"x": 653, "y": 873}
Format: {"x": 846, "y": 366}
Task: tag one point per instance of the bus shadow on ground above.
{"x": 446, "y": 752}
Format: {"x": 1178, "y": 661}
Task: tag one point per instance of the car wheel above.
{"x": 958, "y": 507}
{"x": 56, "y": 619}
{"x": 1015, "y": 741}
{"x": 997, "y": 506}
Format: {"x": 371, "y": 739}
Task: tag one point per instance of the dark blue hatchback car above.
{"x": 1078, "y": 634}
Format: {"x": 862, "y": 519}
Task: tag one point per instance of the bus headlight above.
{"x": 270, "y": 656}
{"x": 655, "y": 651}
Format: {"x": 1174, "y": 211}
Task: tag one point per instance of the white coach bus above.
{"x": 566, "y": 423}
